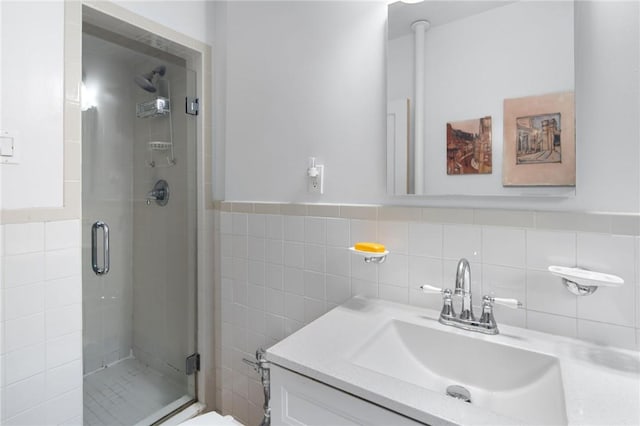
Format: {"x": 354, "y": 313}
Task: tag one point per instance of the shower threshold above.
{"x": 130, "y": 393}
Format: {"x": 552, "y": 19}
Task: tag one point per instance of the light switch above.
{"x": 6, "y": 146}
{"x": 8, "y": 152}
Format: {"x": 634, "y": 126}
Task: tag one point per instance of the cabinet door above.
{"x": 297, "y": 400}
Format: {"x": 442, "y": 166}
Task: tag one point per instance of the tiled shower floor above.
{"x": 126, "y": 393}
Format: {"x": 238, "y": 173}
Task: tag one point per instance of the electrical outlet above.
{"x": 315, "y": 180}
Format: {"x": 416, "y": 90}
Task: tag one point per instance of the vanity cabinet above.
{"x": 298, "y": 400}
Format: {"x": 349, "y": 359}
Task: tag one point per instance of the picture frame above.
{"x": 539, "y": 141}
{"x": 469, "y": 147}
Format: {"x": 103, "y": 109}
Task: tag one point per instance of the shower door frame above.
{"x": 198, "y": 58}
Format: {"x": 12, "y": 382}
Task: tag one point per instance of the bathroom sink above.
{"x": 517, "y": 383}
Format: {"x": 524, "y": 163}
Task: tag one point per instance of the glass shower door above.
{"x": 139, "y": 314}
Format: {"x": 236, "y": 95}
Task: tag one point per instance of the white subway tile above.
{"x": 62, "y": 235}
{"x": 338, "y": 288}
{"x": 64, "y": 407}
{"x": 395, "y": 271}
{"x": 338, "y": 261}
{"x": 62, "y": 263}
{"x": 239, "y": 224}
{"x": 503, "y": 281}
{"x": 226, "y": 245}
{"x": 610, "y": 254}
{"x": 394, "y": 235}
{"x": 315, "y": 230}
{"x": 363, "y": 230}
{"x": 226, "y": 292}
{"x": 314, "y": 285}
{"x": 546, "y": 293}
{"x": 364, "y": 288}
{"x": 274, "y": 251}
{"x": 546, "y": 248}
{"x": 257, "y": 247}
{"x": 462, "y": 241}
{"x": 294, "y": 281}
{"x": 23, "y": 301}
{"x": 553, "y": 324}
{"x": 294, "y": 254}
{"x": 257, "y": 225}
{"x": 275, "y": 327}
{"x": 239, "y": 246}
{"x": 240, "y": 384}
{"x": 64, "y": 349}
{"x": 257, "y": 272}
{"x": 31, "y": 417}
{"x": 425, "y": 239}
{"x": 314, "y": 258}
{"x": 23, "y": 238}
{"x": 24, "y": 331}
{"x": 293, "y": 228}
{"x": 337, "y": 232}
{"x": 607, "y": 334}
{"x": 274, "y": 276}
{"x": 63, "y": 379}
{"x": 425, "y": 270}
{"x": 239, "y": 313}
{"x": 226, "y": 223}
{"x": 23, "y": 363}
{"x": 503, "y": 246}
{"x": 508, "y": 316}
{"x": 240, "y": 269}
{"x": 393, "y": 293}
{"x": 255, "y": 297}
{"x": 313, "y": 309}
{"x": 23, "y": 395}
{"x": 363, "y": 271}
{"x": 226, "y": 267}
{"x": 294, "y": 307}
{"x": 274, "y": 301}
{"x": 274, "y": 227}
{"x": 240, "y": 292}
{"x": 23, "y": 269}
{"x": 63, "y": 291}
{"x": 63, "y": 321}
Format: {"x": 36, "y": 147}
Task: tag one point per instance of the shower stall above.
{"x": 139, "y": 231}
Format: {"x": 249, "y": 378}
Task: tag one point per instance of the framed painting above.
{"x": 539, "y": 146}
{"x": 469, "y": 147}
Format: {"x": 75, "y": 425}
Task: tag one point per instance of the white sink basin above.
{"x": 518, "y": 383}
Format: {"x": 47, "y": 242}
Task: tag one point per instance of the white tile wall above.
{"x": 307, "y": 270}
{"x": 41, "y": 323}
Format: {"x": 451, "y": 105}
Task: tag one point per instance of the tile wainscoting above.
{"x": 284, "y": 265}
{"x": 41, "y": 323}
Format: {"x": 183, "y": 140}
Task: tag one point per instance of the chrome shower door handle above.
{"x": 105, "y": 247}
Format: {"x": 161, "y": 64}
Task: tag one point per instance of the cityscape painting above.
{"x": 469, "y": 148}
{"x": 538, "y": 139}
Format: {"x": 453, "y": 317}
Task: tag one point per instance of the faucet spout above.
{"x": 463, "y": 288}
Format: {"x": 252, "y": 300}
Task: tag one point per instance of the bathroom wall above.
{"x": 322, "y": 93}
{"x": 32, "y": 91}
{"x": 282, "y": 266}
{"x": 41, "y": 324}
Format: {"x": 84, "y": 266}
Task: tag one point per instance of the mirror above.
{"x": 448, "y": 80}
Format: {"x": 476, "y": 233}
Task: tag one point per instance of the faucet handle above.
{"x": 509, "y": 303}
{"x": 431, "y": 289}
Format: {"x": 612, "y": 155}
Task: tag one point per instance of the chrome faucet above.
{"x": 463, "y": 288}
{"x": 466, "y": 320}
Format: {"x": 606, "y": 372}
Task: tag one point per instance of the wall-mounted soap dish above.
{"x": 371, "y": 257}
{"x": 583, "y": 282}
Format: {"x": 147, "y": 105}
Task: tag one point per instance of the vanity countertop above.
{"x": 601, "y": 385}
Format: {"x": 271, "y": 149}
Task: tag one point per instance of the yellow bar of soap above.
{"x": 370, "y": 247}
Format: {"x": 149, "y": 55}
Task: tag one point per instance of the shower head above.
{"x": 145, "y": 81}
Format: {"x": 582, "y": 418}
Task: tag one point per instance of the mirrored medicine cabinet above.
{"x": 469, "y": 56}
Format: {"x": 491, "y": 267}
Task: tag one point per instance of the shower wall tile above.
{"x": 40, "y": 319}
